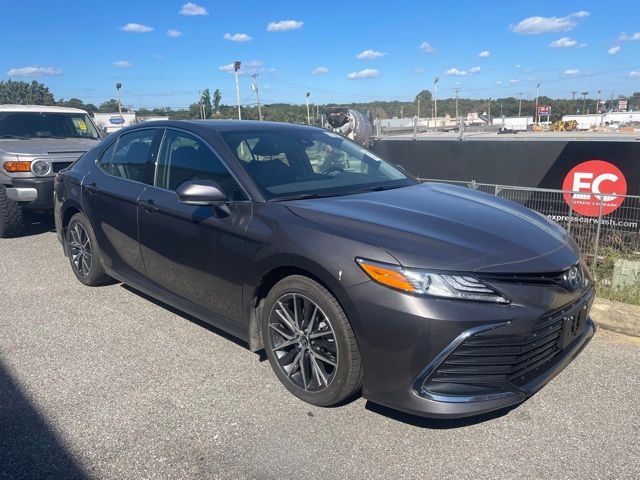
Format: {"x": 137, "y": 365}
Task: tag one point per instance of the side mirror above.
{"x": 200, "y": 192}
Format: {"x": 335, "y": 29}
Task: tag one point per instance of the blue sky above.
{"x": 164, "y": 52}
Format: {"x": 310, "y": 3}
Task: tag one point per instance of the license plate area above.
{"x": 573, "y": 324}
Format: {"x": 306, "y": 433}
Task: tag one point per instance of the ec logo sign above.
{"x": 597, "y": 182}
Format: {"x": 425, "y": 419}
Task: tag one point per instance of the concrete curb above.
{"x": 617, "y": 316}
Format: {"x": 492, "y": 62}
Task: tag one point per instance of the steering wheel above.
{"x": 333, "y": 169}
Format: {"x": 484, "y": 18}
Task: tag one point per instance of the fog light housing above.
{"x": 40, "y": 168}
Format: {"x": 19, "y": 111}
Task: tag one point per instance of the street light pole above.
{"x": 520, "y": 104}
{"x": 254, "y": 85}
{"x": 118, "y": 87}
{"x": 236, "y": 67}
{"x": 308, "y": 114}
{"x": 537, "y": 95}
{"x": 598, "y": 105}
{"x": 489, "y": 112}
{"x": 457, "y": 89}
{"x": 435, "y": 100}
{"x": 584, "y": 101}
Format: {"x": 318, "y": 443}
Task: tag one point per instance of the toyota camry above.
{"x": 354, "y": 277}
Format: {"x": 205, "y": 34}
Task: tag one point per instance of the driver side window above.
{"x": 183, "y": 158}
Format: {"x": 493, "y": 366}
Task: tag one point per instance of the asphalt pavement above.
{"x": 108, "y": 383}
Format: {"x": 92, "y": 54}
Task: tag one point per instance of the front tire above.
{"x": 309, "y": 342}
{"x": 84, "y": 254}
{"x": 11, "y": 218}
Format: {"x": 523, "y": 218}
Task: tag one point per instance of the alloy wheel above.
{"x": 80, "y": 249}
{"x": 303, "y": 342}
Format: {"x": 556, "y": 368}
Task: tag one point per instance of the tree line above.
{"x": 210, "y": 105}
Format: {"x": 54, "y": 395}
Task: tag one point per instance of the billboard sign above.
{"x": 544, "y": 110}
{"x": 622, "y": 105}
{"x": 598, "y": 182}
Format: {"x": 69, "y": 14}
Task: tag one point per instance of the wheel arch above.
{"x": 269, "y": 279}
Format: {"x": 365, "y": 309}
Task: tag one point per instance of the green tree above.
{"x": 206, "y": 101}
{"x": 109, "y": 106}
{"x": 217, "y": 98}
{"x": 24, "y": 93}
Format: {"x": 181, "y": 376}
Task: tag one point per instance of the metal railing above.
{"x": 600, "y": 224}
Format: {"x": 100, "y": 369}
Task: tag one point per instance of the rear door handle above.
{"x": 91, "y": 188}
{"x": 148, "y": 206}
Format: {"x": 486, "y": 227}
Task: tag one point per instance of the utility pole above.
{"x": 435, "y": 100}
{"x": 573, "y": 99}
{"x": 236, "y": 67}
{"x": 457, "y": 89}
{"x": 597, "y": 105}
{"x": 418, "y": 107}
{"x": 489, "y": 112}
{"x": 308, "y": 114}
{"x": 520, "y": 104}
{"x": 200, "y": 104}
{"x": 254, "y": 85}
{"x": 584, "y": 101}
{"x": 118, "y": 87}
{"x": 537, "y": 95}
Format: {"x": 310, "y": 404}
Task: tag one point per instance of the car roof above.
{"x": 39, "y": 109}
{"x": 226, "y": 125}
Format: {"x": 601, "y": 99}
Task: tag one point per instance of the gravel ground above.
{"x": 106, "y": 383}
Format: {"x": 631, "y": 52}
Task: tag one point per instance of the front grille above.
{"x": 57, "y": 166}
{"x": 487, "y": 361}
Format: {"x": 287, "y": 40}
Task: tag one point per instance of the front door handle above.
{"x": 149, "y": 206}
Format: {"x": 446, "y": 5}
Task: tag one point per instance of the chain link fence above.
{"x": 606, "y": 227}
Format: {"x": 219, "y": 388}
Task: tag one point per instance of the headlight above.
{"x": 436, "y": 284}
{"x": 40, "y": 168}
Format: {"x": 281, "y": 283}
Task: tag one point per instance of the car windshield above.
{"x": 295, "y": 163}
{"x": 27, "y": 125}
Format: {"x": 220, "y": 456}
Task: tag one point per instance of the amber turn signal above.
{"x": 13, "y": 167}
{"x": 386, "y": 276}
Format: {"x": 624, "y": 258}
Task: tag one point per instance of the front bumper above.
{"x": 404, "y": 340}
{"x": 32, "y": 193}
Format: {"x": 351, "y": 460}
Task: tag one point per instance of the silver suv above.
{"x": 36, "y": 142}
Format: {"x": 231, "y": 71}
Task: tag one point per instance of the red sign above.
{"x": 622, "y": 105}
{"x": 544, "y": 110}
{"x": 598, "y": 182}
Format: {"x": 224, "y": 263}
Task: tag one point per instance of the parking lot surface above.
{"x": 107, "y": 383}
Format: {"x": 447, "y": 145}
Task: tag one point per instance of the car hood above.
{"x": 446, "y": 227}
{"x": 46, "y": 146}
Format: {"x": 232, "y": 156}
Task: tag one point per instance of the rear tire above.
{"x": 84, "y": 254}
{"x": 310, "y": 343}
{"x": 11, "y": 218}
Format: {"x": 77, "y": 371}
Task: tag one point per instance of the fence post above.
{"x": 597, "y": 244}
{"x": 570, "y": 214}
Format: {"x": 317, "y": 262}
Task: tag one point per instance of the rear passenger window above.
{"x": 132, "y": 156}
{"x": 184, "y": 158}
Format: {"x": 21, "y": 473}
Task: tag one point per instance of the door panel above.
{"x": 110, "y": 193}
{"x": 195, "y": 252}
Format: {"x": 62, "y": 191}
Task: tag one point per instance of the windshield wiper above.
{"x": 304, "y": 196}
{"x": 19, "y": 137}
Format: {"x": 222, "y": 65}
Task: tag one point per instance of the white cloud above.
{"x": 137, "y": 28}
{"x": 366, "y": 73}
{"x": 190, "y": 9}
{"x": 122, "y": 64}
{"x": 536, "y": 25}
{"x": 35, "y": 71}
{"x": 237, "y": 37}
{"x": 484, "y": 54}
{"x": 174, "y": 33}
{"x": 634, "y": 36}
{"x": 564, "y": 42}
{"x": 474, "y": 70}
{"x": 456, "y": 72}
{"x": 320, "y": 71}
{"x": 571, "y": 71}
{"x": 498, "y": 82}
{"x": 370, "y": 55}
{"x": 418, "y": 70}
{"x": 426, "y": 47}
{"x": 284, "y": 25}
{"x": 513, "y": 81}
{"x": 251, "y": 67}
{"x": 614, "y": 50}
{"x": 634, "y": 74}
